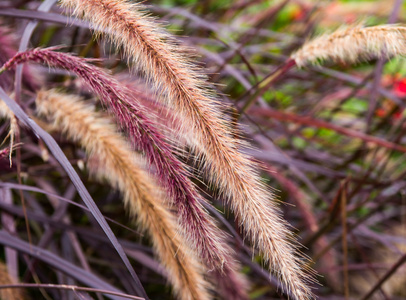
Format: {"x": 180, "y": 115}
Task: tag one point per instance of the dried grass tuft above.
{"x": 119, "y": 165}
{"x": 353, "y": 44}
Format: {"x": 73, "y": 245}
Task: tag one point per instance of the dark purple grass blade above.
{"x": 9, "y": 224}
{"x": 60, "y": 156}
{"x": 74, "y": 288}
{"x": 25, "y": 39}
{"x": 43, "y": 16}
{"x": 58, "y": 263}
{"x": 24, "y": 187}
{"x": 385, "y": 277}
{"x": 41, "y": 218}
{"x": 195, "y": 222}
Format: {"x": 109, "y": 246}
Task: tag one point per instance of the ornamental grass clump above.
{"x": 185, "y": 90}
{"x": 177, "y": 145}
{"x": 331, "y": 142}
{"x": 200, "y": 155}
{"x": 176, "y": 80}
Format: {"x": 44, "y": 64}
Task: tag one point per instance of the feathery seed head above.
{"x": 352, "y": 44}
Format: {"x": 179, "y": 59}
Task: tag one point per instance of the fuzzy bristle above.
{"x": 352, "y": 44}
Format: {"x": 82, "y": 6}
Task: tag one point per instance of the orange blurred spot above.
{"x": 298, "y": 14}
{"x": 380, "y": 112}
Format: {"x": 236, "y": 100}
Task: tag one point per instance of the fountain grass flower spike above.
{"x": 354, "y": 43}
{"x": 167, "y": 67}
{"x": 113, "y": 159}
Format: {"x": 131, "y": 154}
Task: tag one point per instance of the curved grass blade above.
{"x": 58, "y": 263}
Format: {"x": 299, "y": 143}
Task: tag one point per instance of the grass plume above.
{"x": 354, "y": 43}
{"x": 202, "y": 233}
{"x": 118, "y": 164}
{"x": 167, "y": 67}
